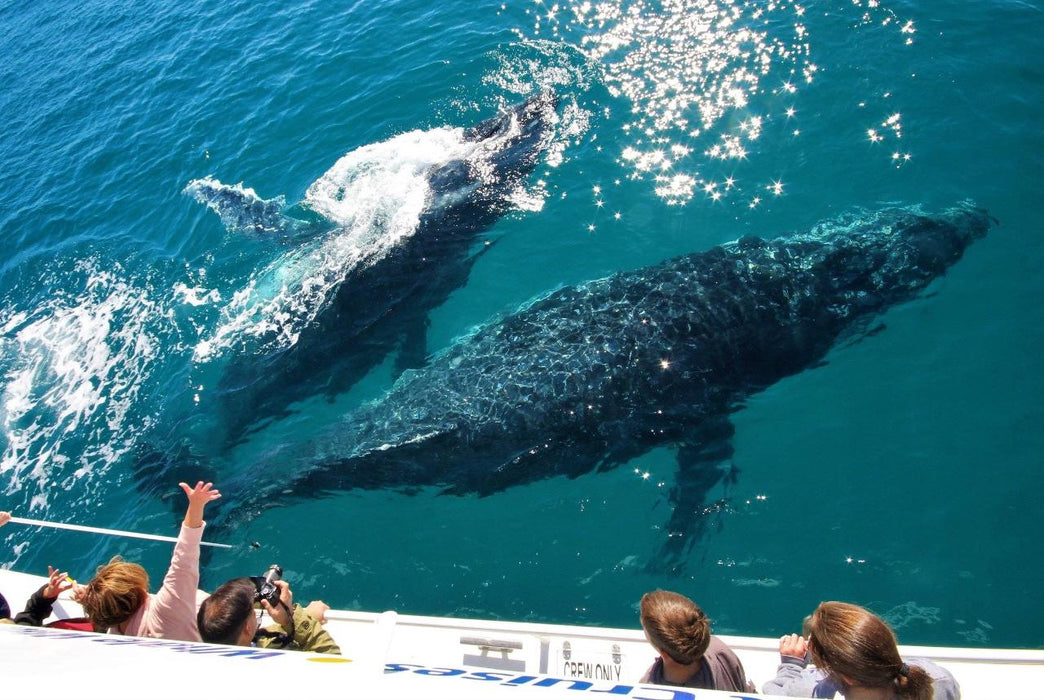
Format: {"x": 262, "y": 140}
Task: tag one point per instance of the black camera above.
{"x": 264, "y": 586}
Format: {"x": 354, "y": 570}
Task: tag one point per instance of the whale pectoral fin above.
{"x": 704, "y": 461}
{"x": 413, "y": 351}
{"x": 241, "y": 209}
{"x": 857, "y": 332}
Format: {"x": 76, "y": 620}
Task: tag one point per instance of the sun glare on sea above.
{"x": 706, "y": 81}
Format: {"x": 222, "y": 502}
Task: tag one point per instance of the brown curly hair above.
{"x": 117, "y": 591}
{"x": 675, "y": 626}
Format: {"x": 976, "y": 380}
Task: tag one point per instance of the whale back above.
{"x": 592, "y": 375}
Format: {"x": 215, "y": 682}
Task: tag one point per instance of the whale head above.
{"x": 934, "y": 243}
{"x": 875, "y": 260}
{"x": 527, "y": 118}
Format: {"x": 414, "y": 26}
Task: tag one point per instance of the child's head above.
{"x": 117, "y": 591}
{"x": 227, "y": 615}
{"x": 675, "y": 626}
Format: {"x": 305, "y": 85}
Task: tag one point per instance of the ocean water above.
{"x": 904, "y": 474}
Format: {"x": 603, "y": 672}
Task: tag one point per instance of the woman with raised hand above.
{"x": 856, "y": 656}
{"x": 117, "y": 599}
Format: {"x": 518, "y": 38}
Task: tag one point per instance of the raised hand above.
{"x": 59, "y": 582}
{"x": 198, "y": 498}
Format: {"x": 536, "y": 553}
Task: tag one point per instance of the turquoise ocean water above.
{"x": 904, "y": 475}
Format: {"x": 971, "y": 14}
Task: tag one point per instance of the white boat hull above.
{"x": 389, "y": 655}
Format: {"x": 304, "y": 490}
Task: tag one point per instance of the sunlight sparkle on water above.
{"x": 702, "y": 80}
{"x": 684, "y": 66}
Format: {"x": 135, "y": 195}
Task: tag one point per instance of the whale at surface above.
{"x": 594, "y": 375}
{"x": 380, "y": 240}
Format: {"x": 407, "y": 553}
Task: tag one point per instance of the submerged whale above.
{"x": 380, "y": 240}
{"x": 594, "y": 375}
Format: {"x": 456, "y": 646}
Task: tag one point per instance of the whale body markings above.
{"x": 594, "y": 375}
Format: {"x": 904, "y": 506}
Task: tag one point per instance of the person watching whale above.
{"x": 117, "y": 599}
{"x": 690, "y": 656}
{"x": 854, "y": 654}
{"x": 232, "y": 615}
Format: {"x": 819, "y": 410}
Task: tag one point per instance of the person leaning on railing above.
{"x": 229, "y": 616}
{"x": 856, "y": 655}
{"x": 117, "y": 599}
{"x": 690, "y": 656}
{"x": 40, "y": 604}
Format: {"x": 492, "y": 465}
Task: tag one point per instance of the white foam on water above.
{"x": 195, "y": 296}
{"x": 702, "y": 79}
{"x": 528, "y": 199}
{"x": 387, "y": 181}
{"x": 73, "y": 368}
{"x": 547, "y": 66}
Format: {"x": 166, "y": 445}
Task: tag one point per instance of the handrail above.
{"x": 106, "y": 531}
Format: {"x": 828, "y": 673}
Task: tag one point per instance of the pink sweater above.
{"x": 171, "y": 613}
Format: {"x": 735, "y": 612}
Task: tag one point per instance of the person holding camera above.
{"x": 231, "y": 615}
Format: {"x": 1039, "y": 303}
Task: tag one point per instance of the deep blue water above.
{"x": 904, "y": 475}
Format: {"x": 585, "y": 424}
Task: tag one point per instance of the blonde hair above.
{"x": 852, "y": 643}
{"x": 675, "y": 626}
{"x": 117, "y": 591}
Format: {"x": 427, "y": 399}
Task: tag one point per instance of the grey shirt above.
{"x": 796, "y": 678}
{"x": 721, "y": 670}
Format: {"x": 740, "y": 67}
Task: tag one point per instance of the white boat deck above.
{"x": 395, "y": 655}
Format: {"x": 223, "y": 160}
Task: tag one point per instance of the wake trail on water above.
{"x": 76, "y": 369}
{"x": 101, "y": 364}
